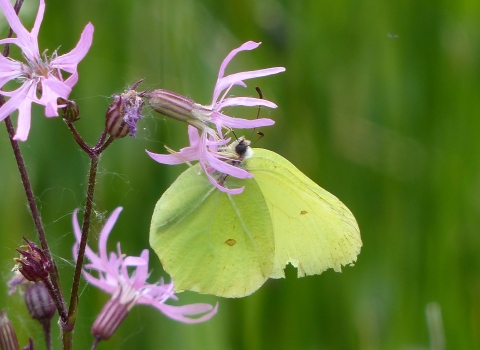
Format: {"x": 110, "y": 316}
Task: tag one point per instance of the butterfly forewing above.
{"x": 313, "y": 230}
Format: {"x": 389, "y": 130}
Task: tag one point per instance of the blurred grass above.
{"x": 379, "y": 105}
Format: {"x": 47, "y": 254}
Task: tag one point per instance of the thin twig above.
{"x": 77, "y": 137}
{"x": 102, "y": 148}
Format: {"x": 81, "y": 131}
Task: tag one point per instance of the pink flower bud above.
{"x": 114, "y": 312}
{"x": 70, "y": 112}
{"x": 39, "y": 302}
{"x": 8, "y": 338}
{"x": 175, "y": 106}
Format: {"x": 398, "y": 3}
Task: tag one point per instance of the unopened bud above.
{"x": 114, "y": 312}
{"x": 33, "y": 263}
{"x": 8, "y": 338}
{"x": 124, "y": 112}
{"x": 39, "y": 302}
{"x": 70, "y": 112}
{"x": 29, "y": 346}
{"x": 175, "y": 106}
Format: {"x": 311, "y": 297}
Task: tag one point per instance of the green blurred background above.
{"x": 379, "y": 105}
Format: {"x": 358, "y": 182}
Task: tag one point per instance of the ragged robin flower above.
{"x": 203, "y": 117}
{"x": 212, "y": 122}
{"x": 41, "y": 76}
{"x": 127, "y": 287}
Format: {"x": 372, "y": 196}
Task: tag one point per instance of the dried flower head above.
{"x": 124, "y": 112}
{"x": 33, "y": 264}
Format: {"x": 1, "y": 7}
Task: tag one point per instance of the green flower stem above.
{"x": 47, "y": 333}
{"x": 94, "y": 154}
{"x": 56, "y": 288}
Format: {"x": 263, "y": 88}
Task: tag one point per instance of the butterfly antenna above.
{"x": 260, "y": 135}
{"x": 258, "y": 112}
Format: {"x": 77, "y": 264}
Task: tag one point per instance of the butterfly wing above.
{"x": 211, "y": 242}
{"x": 314, "y": 230}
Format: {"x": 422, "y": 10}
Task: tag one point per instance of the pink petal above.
{"x": 136, "y": 260}
{"x": 72, "y": 80}
{"x": 25, "y": 40}
{"x": 107, "y": 228}
{"x": 16, "y": 98}
{"x": 234, "y": 79}
{"x": 179, "y": 313}
{"x": 99, "y": 283}
{"x": 249, "y": 45}
{"x": 78, "y": 236}
{"x": 38, "y": 23}
{"x": 9, "y": 70}
{"x": 222, "y": 188}
{"x": 193, "y": 136}
{"x": 51, "y": 90}
{"x": 228, "y": 169}
{"x": 69, "y": 61}
{"x": 244, "y": 101}
{"x": 239, "y": 122}
{"x": 186, "y": 154}
{"x": 21, "y": 99}
{"x": 141, "y": 273}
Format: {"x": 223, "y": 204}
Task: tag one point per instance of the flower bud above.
{"x": 114, "y": 312}
{"x": 39, "y": 302}
{"x": 29, "y": 346}
{"x": 33, "y": 264}
{"x": 175, "y": 106}
{"x": 8, "y": 338}
{"x": 124, "y": 112}
{"x": 70, "y": 112}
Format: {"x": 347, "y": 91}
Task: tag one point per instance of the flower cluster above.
{"x": 211, "y": 121}
{"x": 128, "y": 289}
{"x": 39, "y": 75}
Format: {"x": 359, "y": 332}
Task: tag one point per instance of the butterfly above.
{"x": 228, "y": 245}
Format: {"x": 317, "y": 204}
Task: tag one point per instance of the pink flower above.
{"x": 130, "y": 289}
{"x": 39, "y": 73}
{"x": 212, "y": 113}
{"x": 204, "y": 149}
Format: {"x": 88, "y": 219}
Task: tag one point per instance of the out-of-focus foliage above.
{"x": 379, "y": 105}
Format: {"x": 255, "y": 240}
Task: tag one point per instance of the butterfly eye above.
{"x": 241, "y": 148}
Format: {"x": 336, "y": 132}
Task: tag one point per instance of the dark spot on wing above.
{"x": 303, "y": 212}
{"x": 231, "y": 242}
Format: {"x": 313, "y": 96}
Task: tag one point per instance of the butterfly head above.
{"x": 237, "y": 151}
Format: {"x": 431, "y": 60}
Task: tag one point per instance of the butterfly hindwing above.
{"x": 212, "y": 242}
